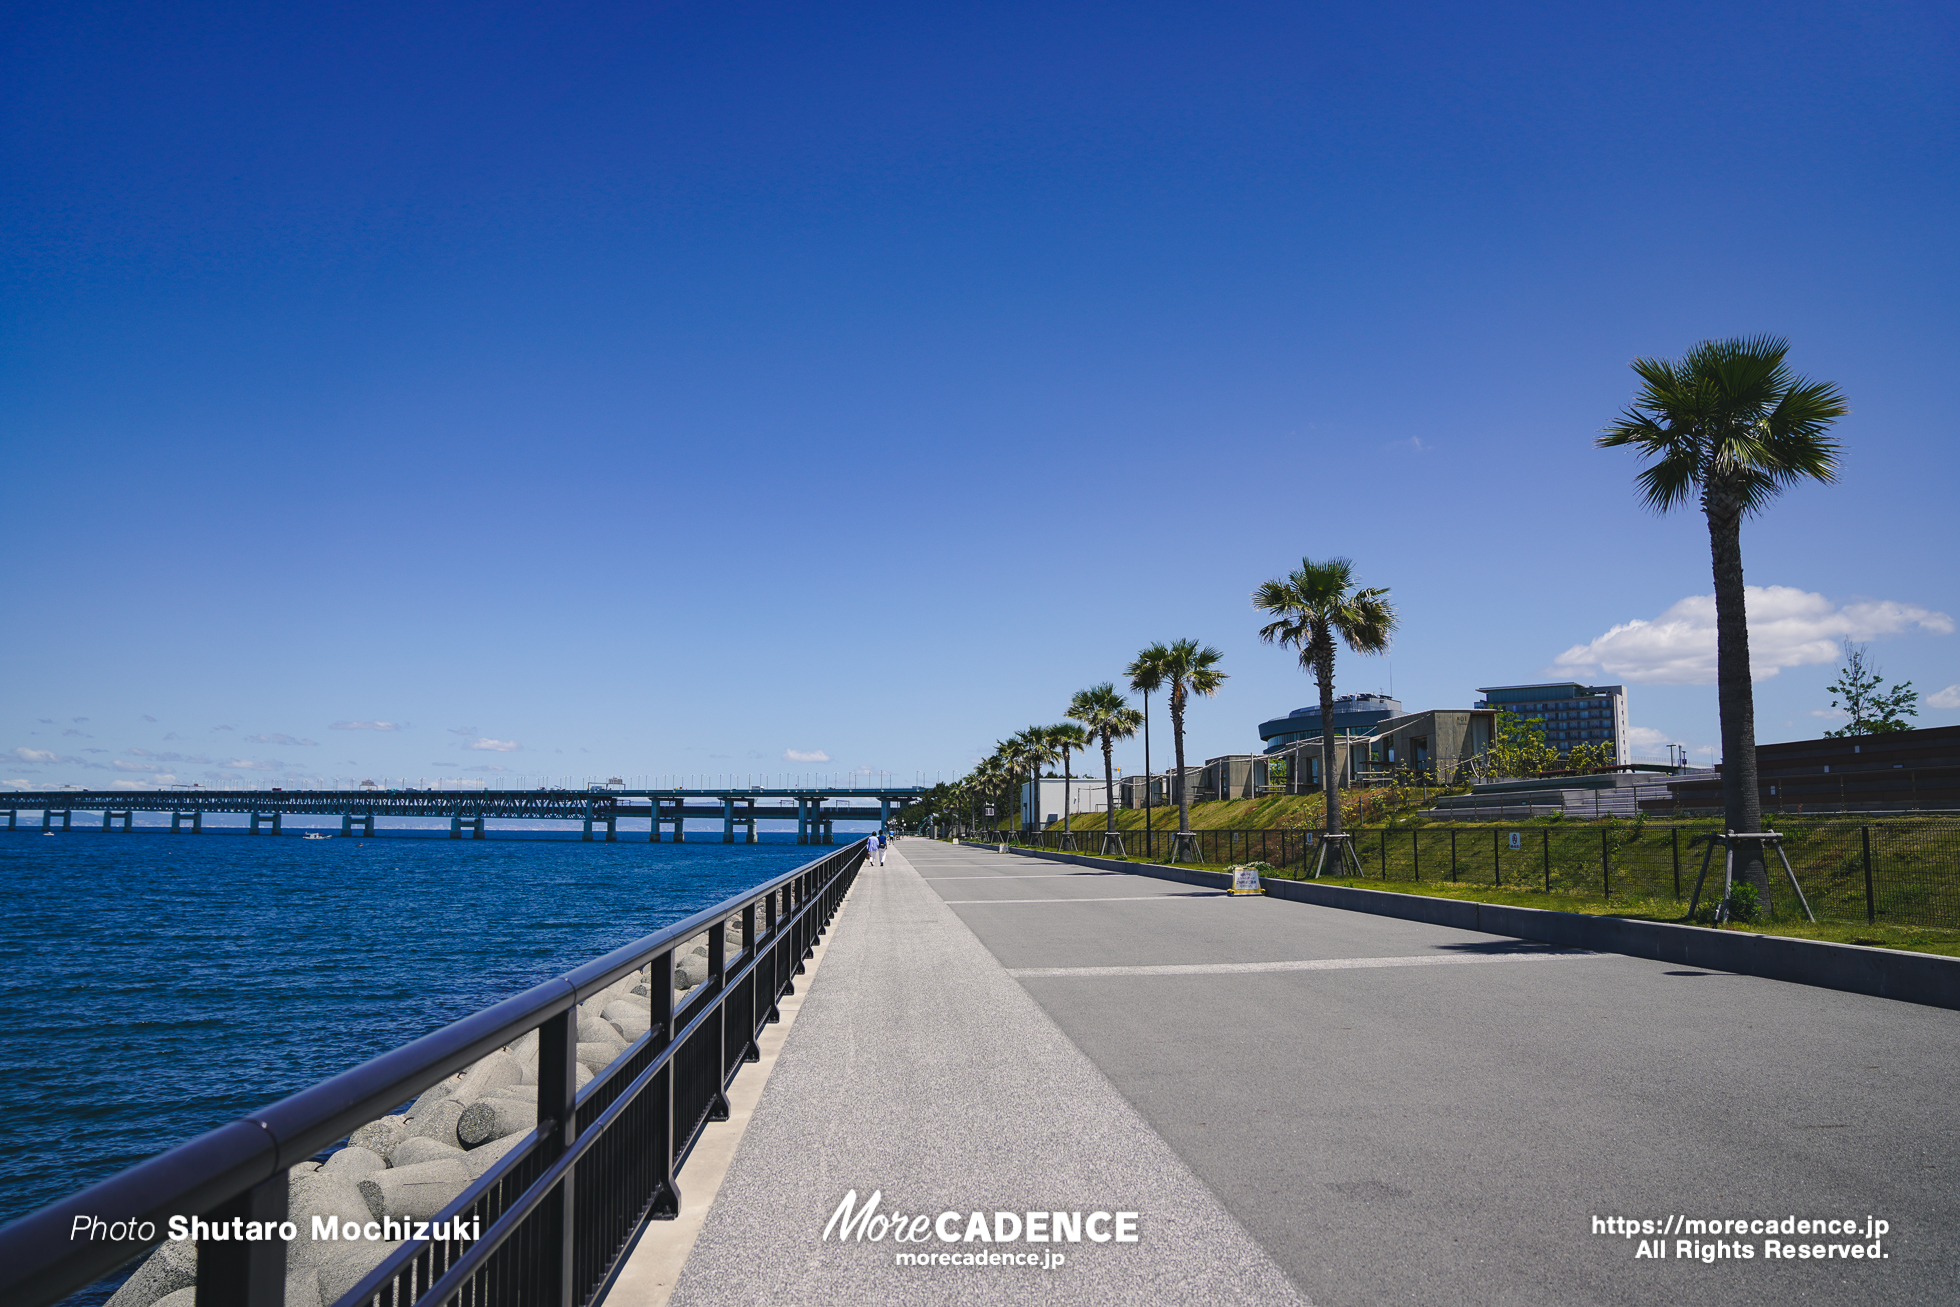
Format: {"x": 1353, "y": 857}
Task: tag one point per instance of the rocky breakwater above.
{"x": 411, "y": 1165}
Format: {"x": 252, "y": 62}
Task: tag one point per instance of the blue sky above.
{"x": 583, "y": 390}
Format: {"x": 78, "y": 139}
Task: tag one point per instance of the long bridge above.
{"x": 815, "y": 811}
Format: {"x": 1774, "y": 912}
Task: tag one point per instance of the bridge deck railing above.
{"x": 559, "y": 1210}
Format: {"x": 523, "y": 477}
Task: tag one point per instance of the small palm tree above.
{"x": 1107, "y": 717}
{"x": 1184, "y": 668}
{"x": 1731, "y": 426}
{"x": 1313, "y": 607}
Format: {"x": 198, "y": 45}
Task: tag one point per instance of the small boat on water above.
{"x": 315, "y": 835}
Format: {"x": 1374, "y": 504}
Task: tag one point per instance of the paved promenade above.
{"x": 1310, "y": 1104}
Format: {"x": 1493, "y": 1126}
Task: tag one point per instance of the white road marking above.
{"x": 1318, "y": 964}
{"x": 1134, "y": 898}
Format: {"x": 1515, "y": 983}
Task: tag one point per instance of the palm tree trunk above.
{"x": 1148, "y": 810}
{"x": 1323, "y": 675}
{"x": 1742, "y": 807}
{"x": 1068, "y": 788}
{"x": 1177, "y": 734}
{"x": 1109, "y": 786}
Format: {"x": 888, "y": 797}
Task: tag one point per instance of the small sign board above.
{"x": 1245, "y": 880}
{"x": 1517, "y": 840}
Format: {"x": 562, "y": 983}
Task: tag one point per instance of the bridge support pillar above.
{"x": 11, "y": 815}
{"x": 727, "y": 820}
{"x": 612, "y": 827}
{"x": 477, "y": 832}
{"x": 128, "y": 820}
{"x": 49, "y": 814}
{"x": 350, "y": 819}
{"x": 258, "y": 817}
{"x": 884, "y": 814}
{"x": 802, "y": 821}
{"x": 196, "y": 819}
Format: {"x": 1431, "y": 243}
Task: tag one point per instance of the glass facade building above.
{"x": 1572, "y": 713}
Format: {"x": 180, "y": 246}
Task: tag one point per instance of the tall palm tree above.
{"x": 1313, "y": 607}
{"x": 1730, "y": 425}
{"x": 1027, "y": 751}
{"x": 1108, "y": 717}
{"x": 1146, "y": 675}
{"x": 1185, "y": 668}
{"x": 1065, "y": 738}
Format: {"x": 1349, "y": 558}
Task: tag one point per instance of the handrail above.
{"x": 239, "y": 1168}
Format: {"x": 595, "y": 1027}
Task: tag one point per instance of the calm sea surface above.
{"x": 156, "y": 986}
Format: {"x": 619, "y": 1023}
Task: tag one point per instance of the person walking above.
{"x": 878, "y": 847}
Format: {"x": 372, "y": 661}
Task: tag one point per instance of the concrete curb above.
{"x": 1884, "y": 973}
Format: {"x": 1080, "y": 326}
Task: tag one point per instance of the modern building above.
{"x": 1436, "y": 743}
{"x": 1572, "y": 713}
{"x": 1354, "y": 714}
{"x": 1041, "y": 809}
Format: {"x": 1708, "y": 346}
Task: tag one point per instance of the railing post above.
{"x": 775, "y": 951}
{"x": 557, "y": 1103}
{"x": 718, "y": 988}
{"x": 1605, "y": 865}
{"x": 1674, "y": 842}
{"x": 660, "y": 983}
{"x": 1871, "y": 899}
{"x": 245, "y": 1273}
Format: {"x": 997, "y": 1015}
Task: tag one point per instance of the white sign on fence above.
{"x": 1245, "y": 880}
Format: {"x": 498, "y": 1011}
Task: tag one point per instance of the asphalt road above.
{"x": 1445, "y": 1132}
{"x": 1305, "y": 1102}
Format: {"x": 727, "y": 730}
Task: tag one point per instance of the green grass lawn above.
{"x": 1664, "y": 908}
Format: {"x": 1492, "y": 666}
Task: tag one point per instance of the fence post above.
{"x": 1871, "y": 901}
{"x": 1452, "y": 855}
{"x": 1605, "y": 865}
{"x": 246, "y": 1274}
{"x": 1496, "y": 859}
{"x": 1548, "y": 859}
{"x": 1674, "y": 841}
{"x": 1415, "y": 852}
{"x": 557, "y": 1099}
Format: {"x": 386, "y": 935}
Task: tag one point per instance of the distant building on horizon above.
{"x": 1572, "y": 713}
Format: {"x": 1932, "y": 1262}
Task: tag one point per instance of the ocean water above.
{"x": 156, "y": 986}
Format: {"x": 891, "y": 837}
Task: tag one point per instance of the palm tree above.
{"x": 1313, "y": 606}
{"x": 1108, "y": 718}
{"x": 1185, "y": 668}
{"x": 1028, "y": 750}
{"x": 1065, "y": 738}
{"x": 1732, "y": 426}
{"x": 1146, "y": 675}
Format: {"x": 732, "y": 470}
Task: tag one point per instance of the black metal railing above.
{"x": 1901, "y": 871}
{"x": 559, "y": 1209}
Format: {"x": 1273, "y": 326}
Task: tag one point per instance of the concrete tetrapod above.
{"x": 493, "y": 1118}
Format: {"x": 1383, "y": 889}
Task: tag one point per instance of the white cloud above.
{"x": 1787, "y": 628}
{"x": 163, "y": 778}
{"x": 197, "y": 758}
{"x": 495, "y": 746}
{"x": 120, "y": 765}
{"x": 805, "y": 755}
{"x": 253, "y": 764}
{"x": 1947, "y": 698}
{"x": 462, "y": 730}
{"x": 487, "y": 769}
{"x": 224, "y": 728}
{"x": 20, "y": 781}
{"x": 278, "y": 739}
{"x": 366, "y": 726}
{"x": 36, "y": 755}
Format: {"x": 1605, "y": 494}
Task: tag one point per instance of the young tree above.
{"x": 1874, "y": 709}
{"x": 1518, "y": 747}
{"x": 1313, "y": 607}
{"x": 1108, "y": 717}
{"x": 1731, "y": 426}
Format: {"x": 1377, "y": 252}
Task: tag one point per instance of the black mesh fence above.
{"x": 1902, "y": 871}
